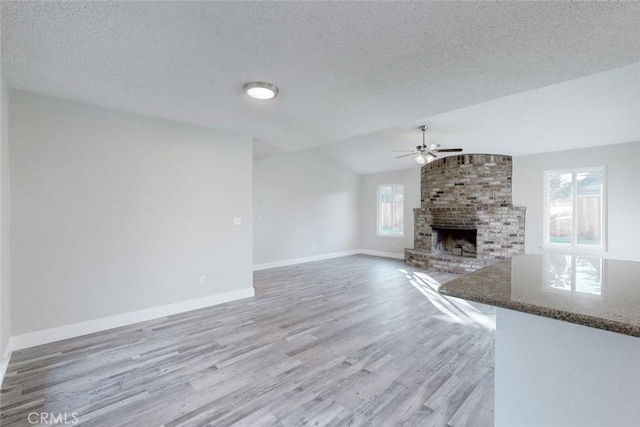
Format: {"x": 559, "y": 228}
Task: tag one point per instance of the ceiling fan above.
{"x": 426, "y": 153}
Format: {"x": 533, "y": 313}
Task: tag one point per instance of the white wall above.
{"x": 114, "y": 212}
{"x": 623, "y": 195}
{"x": 5, "y": 288}
{"x": 305, "y": 204}
{"x": 550, "y": 372}
{"x": 370, "y": 239}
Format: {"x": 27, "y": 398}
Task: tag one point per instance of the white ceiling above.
{"x": 600, "y": 109}
{"x": 344, "y": 69}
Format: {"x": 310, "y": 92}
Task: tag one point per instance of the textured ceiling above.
{"x": 599, "y": 109}
{"x": 344, "y": 69}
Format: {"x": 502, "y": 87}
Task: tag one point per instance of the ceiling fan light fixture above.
{"x": 261, "y": 90}
{"x": 421, "y": 159}
{"x": 426, "y": 153}
{"x": 424, "y": 158}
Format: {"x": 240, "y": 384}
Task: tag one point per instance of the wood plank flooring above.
{"x": 357, "y": 340}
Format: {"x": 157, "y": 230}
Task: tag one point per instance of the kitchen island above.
{"x": 567, "y": 342}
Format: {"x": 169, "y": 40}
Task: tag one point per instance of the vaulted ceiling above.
{"x": 345, "y": 70}
{"x": 595, "y": 110}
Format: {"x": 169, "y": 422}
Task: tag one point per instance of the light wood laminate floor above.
{"x": 357, "y": 340}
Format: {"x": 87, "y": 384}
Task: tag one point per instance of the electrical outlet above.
{"x": 203, "y": 280}
{"x": 237, "y": 220}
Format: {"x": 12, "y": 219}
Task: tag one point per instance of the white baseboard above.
{"x": 46, "y": 336}
{"x": 382, "y": 254}
{"x": 32, "y": 339}
{"x": 294, "y": 261}
{"x": 4, "y": 364}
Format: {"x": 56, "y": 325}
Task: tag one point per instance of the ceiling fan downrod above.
{"x": 424, "y": 132}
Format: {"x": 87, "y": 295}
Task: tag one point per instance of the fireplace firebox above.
{"x": 455, "y": 242}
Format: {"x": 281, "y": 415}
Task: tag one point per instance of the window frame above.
{"x": 574, "y": 246}
{"x": 379, "y": 205}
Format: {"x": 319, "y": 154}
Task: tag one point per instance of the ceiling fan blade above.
{"x": 402, "y": 151}
{"x": 448, "y": 150}
{"x": 405, "y": 155}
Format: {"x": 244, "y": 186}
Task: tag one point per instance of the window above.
{"x": 391, "y": 210}
{"x": 574, "y": 209}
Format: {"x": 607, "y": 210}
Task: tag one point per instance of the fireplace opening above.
{"x": 455, "y": 242}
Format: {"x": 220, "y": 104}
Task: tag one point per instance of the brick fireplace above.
{"x": 466, "y": 220}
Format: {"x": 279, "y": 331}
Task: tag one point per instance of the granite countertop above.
{"x": 590, "y": 291}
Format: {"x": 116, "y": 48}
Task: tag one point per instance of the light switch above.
{"x": 237, "y": 220}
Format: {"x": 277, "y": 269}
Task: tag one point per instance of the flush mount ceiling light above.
{"x": 261, "y": 90}
{"x": 426, "y": 153}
